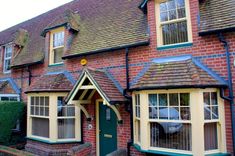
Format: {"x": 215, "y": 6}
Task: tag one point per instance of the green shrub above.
{"x": 10, "y": 112}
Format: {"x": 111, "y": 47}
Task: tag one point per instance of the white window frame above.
{"x": 159, "y": 23}
{"x": 53, "y": 118}
{"x": 52, "y": 47}
{"x": 7, "y": 58}
{"x": 197, "y": 122}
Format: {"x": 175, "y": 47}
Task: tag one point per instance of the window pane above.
{"x": 8, "y": 51}
{"x": 206, "y": 98}
{"x": 175, "y": 33}
{"x": 162, "y": 99}
{"x": 40, "y": 127}
{"x": 215, "y": 114}
{"x": 138, "y": 130}
{"x": 180, "y": 3}
{"x": 152, "y": 99}
{"x": 42, "y": 101}
{"x": 58, "y": 53}
{"x": 171, "y": 4}
{"x": 174, "y": 113}
{"x": 5, "y": 98}
{"x": 37, "y": 101}
{"x": 172, "y": 15}
{"x": 173, "y": 99}
{"x": 181, "y": 13}
{"x": 7, "y": 65}
{"x": 214, "y": 98}
{"x": 171, "y": 135}
{"x": 210, "y": 136}
{"x": 32, "y": 110}
{"x": 13, "y": 98}
{"x": 58, "y": 39}
{"x": 185, "y": 113}
{"x": 163, "y": 7}
{"x": 47, "y": 101}
{"x": 63, "y": 109}
{"x": 36, "y": 110}
{"x": 164, "y": 16}
{"x": 153, "y": 110}
{"x": 163, "y": 113}
{"x": 66, "y": 128}
{"x": 184, "y": 99}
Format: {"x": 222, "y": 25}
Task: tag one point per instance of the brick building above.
{"x": 147, "y": 76}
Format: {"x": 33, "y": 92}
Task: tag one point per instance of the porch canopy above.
{"x": 90, "y": 82}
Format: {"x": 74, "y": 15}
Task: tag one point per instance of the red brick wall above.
{"x": 208, "y": 48}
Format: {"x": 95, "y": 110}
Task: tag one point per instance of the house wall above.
{"x": 207, "y": 49}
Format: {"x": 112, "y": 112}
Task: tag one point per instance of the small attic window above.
{"x": 7, "y": 58}
{"x": 56, "y": 46}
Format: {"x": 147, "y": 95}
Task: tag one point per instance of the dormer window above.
{"x": 7, "y": 58}
{"x": 56, "y": 46}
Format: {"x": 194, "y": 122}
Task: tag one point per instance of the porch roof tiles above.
{"x": 52, "y": 82}
{"x": 178, "y": 72}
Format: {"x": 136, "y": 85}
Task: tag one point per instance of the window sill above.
{"x": 180, "y": 45}
{"x": 219, "y": 154}
{"x": 56, "y": 142}
{"x": 55, "y": 65}
{"x": 159, "y": 152}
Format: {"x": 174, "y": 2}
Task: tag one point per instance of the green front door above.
{"x": 108, "y": 130}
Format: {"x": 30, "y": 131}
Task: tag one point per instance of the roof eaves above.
{"x": 177, "y": 87}
{"x": 144, "y": 43}
{"x": 27, "y": 64}
{"x": 43, "y": 34}
{"x": 210, "y": 32}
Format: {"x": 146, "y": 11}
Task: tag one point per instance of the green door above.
{"x": 108, "y": 130}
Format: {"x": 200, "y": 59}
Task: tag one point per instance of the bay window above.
{"x": 173, "y": 22}
{"x": 184, "y": 121}
{"x": 51, "y": 120}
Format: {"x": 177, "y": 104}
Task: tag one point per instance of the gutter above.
{"x": 230, "y": 98}
{"x": 178, "y": 87}
{"x": 27, "y": 64}
{"x": 143, "y": 43}
{"x": 218, "y": 31}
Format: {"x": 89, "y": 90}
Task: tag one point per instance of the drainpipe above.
{"x": 230, "y": 85}
{"x": 30, "y": 75}
{"x": 129, "y": 100}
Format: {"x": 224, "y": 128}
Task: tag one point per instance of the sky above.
{"x": 13, "y": 12}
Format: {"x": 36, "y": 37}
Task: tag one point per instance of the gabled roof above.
{"x": 216, "y": 15}
{"x": 52, "y": 82}
{"x": 178, "y": 72}
{"x": 8, "y": 86}
{"x": 104, "y": 86}
{"x": 103, "y": 25}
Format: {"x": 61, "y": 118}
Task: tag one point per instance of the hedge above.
{"x": 10, "y": 112}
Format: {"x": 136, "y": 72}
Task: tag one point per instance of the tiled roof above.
{"x": 8, "y": 86}
{"x": 216, "y": 15}
{"x": 104, "y": 24}
{"x": 52, "y": 82}
{"x": 105, "y": 86}
{"x": 183, "y": 72}
{"x": 68, "y": 19}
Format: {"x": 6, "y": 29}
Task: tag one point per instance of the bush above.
{"x": 10, "y": 112}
